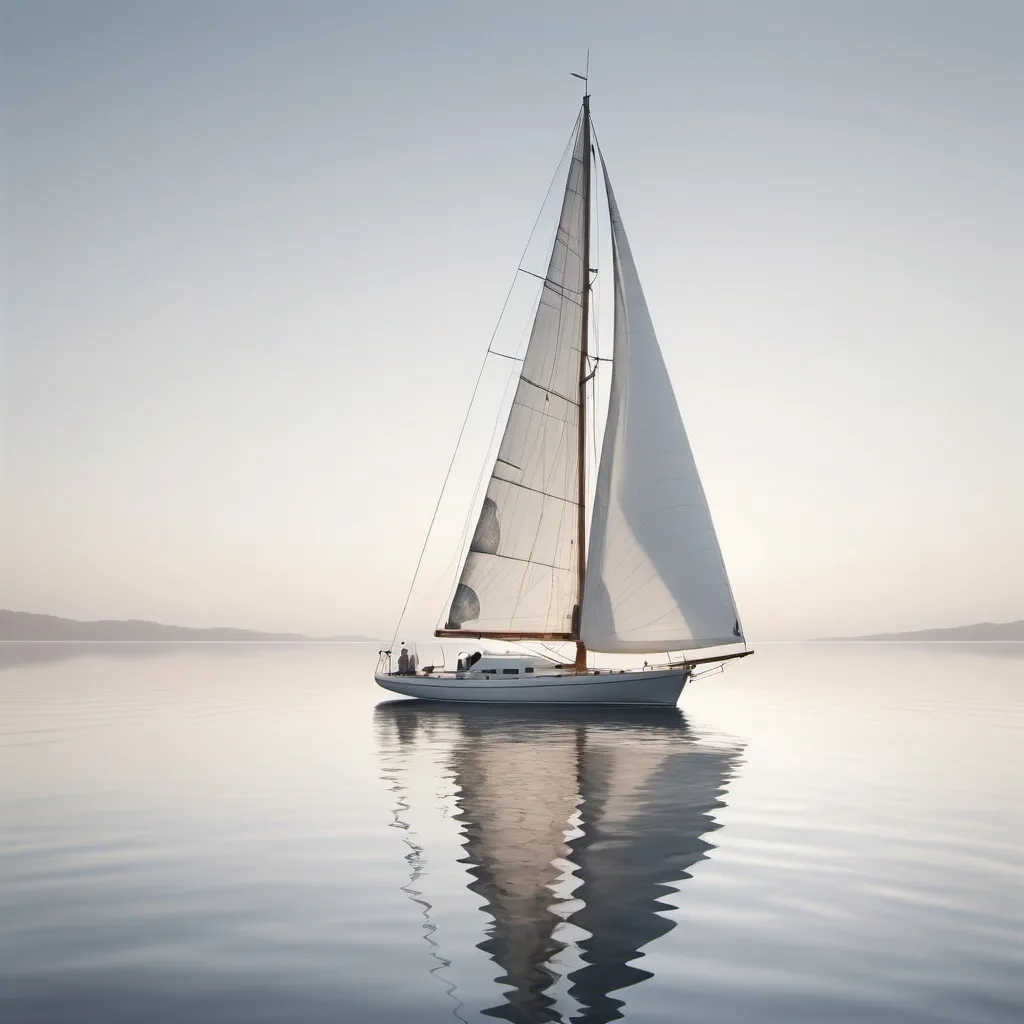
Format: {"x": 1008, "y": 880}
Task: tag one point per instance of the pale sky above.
{"x": 254, "y": 252}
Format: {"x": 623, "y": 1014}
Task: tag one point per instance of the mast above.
{"x": 581, "y": 532}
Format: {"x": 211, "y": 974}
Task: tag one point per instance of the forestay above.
{"x": 520, "y": 572}
{"x": 655, "y": 578}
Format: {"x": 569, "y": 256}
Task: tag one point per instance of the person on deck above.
{"x": 404, "y": 663}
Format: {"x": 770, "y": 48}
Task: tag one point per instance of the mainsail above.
{"x": 655, "y": 577}
{"x": 520, "y": 575}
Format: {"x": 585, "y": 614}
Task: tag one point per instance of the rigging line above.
{"x": 479, "y": 377}
{"x": 556, "y": 656}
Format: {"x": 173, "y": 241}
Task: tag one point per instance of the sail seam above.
{"x": 534, "y": 490}
{"x": 562, "y": 293}
{"x": 560, "y": 289}
{"x": 527, "y": 561}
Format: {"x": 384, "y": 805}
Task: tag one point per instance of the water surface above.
{"x": 227, "y": 834}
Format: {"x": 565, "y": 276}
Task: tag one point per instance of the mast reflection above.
{"x": 615, "y": 809}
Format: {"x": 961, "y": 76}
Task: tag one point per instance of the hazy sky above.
{"x": 253, "y": 253}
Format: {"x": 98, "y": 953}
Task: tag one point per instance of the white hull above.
{"x": 645, "y": 689}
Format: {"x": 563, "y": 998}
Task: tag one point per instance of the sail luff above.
{"x": 656, "y": 580}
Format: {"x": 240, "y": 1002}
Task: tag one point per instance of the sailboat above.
{"x": 650, "y": 577}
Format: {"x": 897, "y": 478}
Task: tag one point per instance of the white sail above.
{"x": 520, "y": 573}
{"x": 655, "y": 578}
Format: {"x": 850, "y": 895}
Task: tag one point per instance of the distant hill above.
{"x": 28, "y": 626}
{"x": 980, "y": 632}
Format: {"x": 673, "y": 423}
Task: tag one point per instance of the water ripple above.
{"x": 826, "y": 834}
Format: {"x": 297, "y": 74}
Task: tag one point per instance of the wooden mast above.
{"x": 581, "y": 526}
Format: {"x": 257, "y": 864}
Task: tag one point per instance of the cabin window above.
{"x": 510, "y": 671}
{"x": 527, "y": 670}
{"x": 488, "y": 671}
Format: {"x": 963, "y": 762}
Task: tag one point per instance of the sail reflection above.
{"x": 574, "y": 825}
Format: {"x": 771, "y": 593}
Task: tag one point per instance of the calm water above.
{"x": 825, "y": 833}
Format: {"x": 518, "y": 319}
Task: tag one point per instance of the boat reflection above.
{"x": 574, "y": 824}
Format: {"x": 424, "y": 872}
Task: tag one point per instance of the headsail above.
{"x": 520, "y": 574}
{"x": 655, "y": 579}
